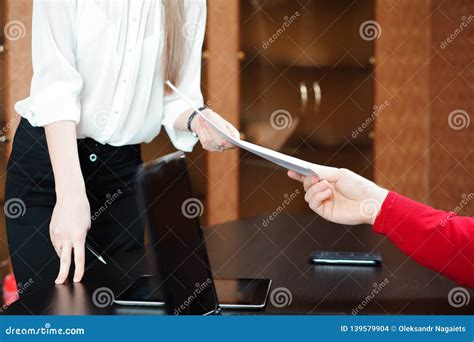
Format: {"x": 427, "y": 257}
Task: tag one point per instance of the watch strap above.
{"x": 192, "y": 116}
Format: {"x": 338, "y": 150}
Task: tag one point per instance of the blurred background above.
{"x": 383, "y": 87}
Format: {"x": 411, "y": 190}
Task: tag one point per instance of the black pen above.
{"x": 97, "y": 255}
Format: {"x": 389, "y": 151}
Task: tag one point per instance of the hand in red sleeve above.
{"x": 342, "y": 196}
{"x": 436, "y": 239}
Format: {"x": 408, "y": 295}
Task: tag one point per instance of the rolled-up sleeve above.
{"x": 56, "y": 85}
{"x": 190, "y": 83}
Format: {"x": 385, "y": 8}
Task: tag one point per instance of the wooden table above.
{"x": 280, "y": 251}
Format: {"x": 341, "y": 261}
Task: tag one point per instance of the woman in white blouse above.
{"x": 97, "y": 93}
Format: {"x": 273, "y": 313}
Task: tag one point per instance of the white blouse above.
{"x": 99, "y": 64}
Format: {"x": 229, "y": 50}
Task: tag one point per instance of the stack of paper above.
{"x": 288, "y": 162}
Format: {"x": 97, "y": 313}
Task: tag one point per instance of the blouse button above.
{"x": 93, "y": 157}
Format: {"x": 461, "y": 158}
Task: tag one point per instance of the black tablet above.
{"x": 242, "y": 293}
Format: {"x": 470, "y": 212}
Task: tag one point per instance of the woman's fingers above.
{"x": 232, "y": 130}
{"x": 55, "y": 242}
{"x": 65, "y": 263}
{"x": 296, "y": 176}
{"x": 317, "y": 194}
{"x": 223, "y": 125}
{"x": 331, "y": 174}
{"x": 58, "y": 248}
{"x": 309, "y": 181}
{"x": 203, "y": 135}
{"x": 79, "y": 261}
{"x": 318, "y": 199}
{"x": 216, "y": 140}
{"x": 315, "y": 189}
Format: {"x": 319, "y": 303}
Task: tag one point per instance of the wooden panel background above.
{"x": 15, "y": 83}
{"x": 451, "y": 175}
{"x": 402, "y": 77}
{"x": 416, "y": 151}
{"x": 17, "y": 61}
{"x": 223, "y": 83}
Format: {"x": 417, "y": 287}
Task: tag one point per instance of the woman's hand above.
{"x": 209, "y": 138}
{"x": 71, "y": 216}
{"x": 70, "y": 222}
{"x": 342, "y": 196}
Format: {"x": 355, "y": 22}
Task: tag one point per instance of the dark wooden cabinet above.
{"x": 306, "y": 85}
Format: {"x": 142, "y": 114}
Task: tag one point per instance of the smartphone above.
{"x": 346, "y": 258}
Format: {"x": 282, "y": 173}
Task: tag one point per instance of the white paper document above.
{"x": 285, "y": 161}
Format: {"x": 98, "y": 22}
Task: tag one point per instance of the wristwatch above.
{"x": 191, "y": 117}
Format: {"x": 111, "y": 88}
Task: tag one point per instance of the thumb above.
{"x": 330, "y": 174}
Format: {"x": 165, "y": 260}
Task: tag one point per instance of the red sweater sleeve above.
{"x": 436, "y": 239}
